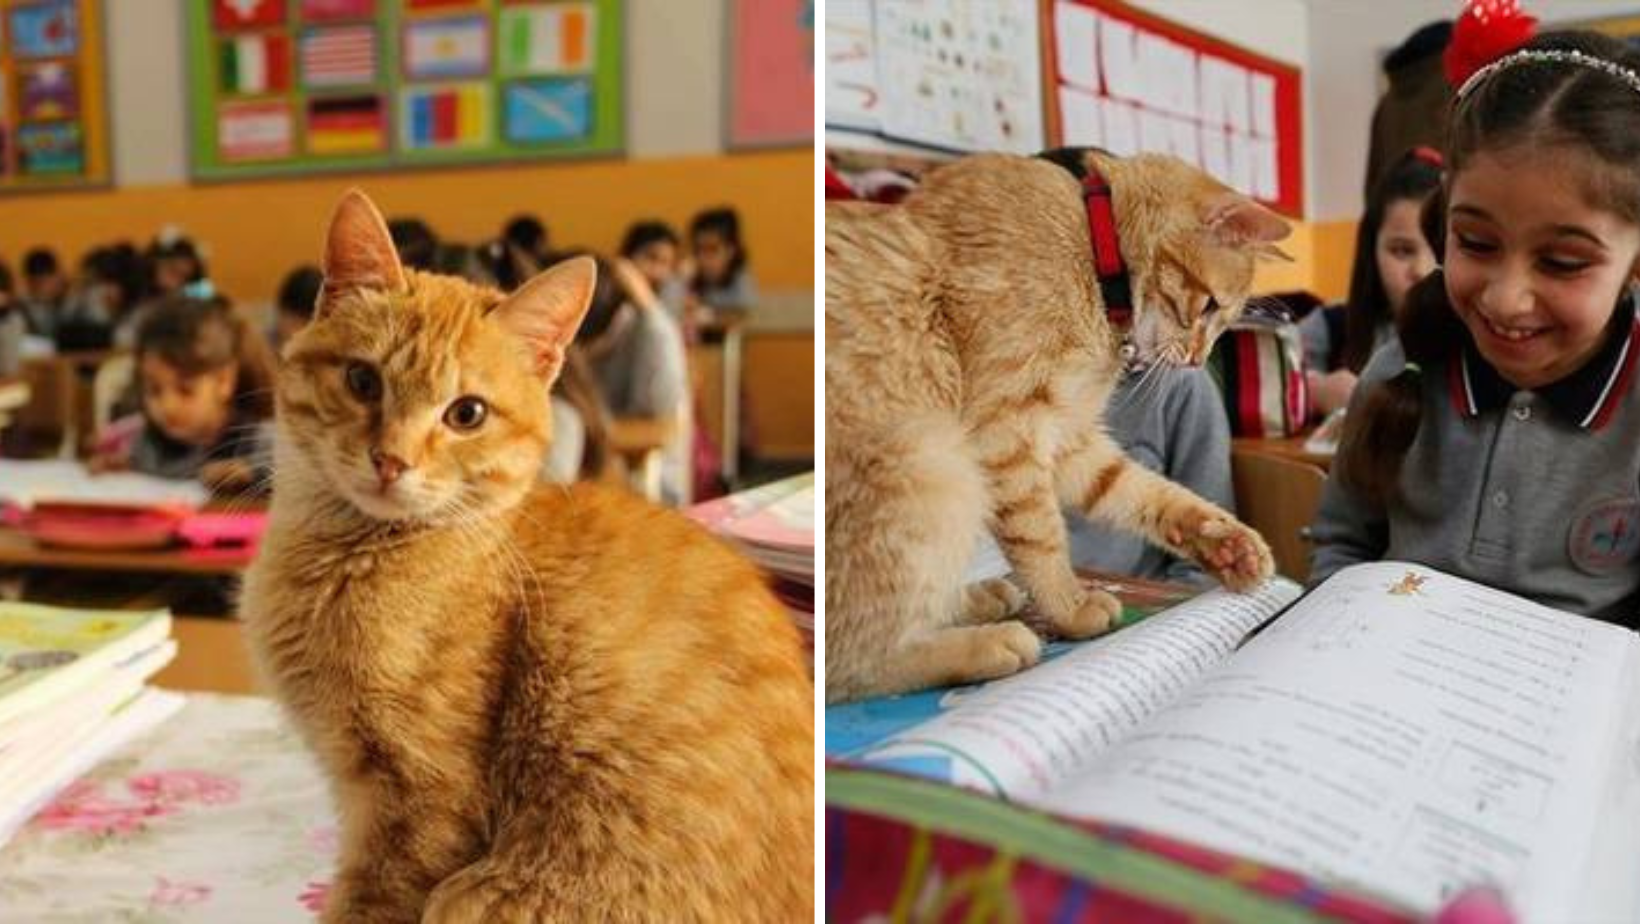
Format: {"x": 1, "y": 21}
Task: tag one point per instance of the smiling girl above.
{"x": 1500, "y": 440}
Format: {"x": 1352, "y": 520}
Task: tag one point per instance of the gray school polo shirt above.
{"x": 1535, "y": 493}
{"x": 1172, "y": 423}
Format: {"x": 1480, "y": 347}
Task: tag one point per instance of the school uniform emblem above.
{"x": 1605, "y": 535}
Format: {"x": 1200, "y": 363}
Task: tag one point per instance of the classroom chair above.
{"x": 1278, "y": 496}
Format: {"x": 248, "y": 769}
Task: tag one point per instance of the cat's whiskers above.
{"x": 470, "y": 522}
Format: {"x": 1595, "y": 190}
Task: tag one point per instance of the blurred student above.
{"x": 529, "y": 235}
{"x": 1391, "y": 254}
{"x": 654, "y": 248}
{"x": 722, "y": 279}
{"x": 45, "y": 291}
{"x": 415, "y": 241}
{"x": 205, "y": 377}
{"x": 635, "y": 352}
{"x": 298, "y": 296}
{"x": 178, "y": 267}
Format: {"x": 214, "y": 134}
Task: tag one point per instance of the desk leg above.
{"x": 731, "y": 406}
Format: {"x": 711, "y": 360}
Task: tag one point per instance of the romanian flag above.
{"x": 255, "y": 64}
{"x": 346, "y": 125}
{"x": 447, "y": 117}
{"x": 556, "y": 39}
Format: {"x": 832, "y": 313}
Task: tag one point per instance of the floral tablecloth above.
{"x": 217, "y": 815}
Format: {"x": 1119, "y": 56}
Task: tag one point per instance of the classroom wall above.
{"x": 257, "y": 230}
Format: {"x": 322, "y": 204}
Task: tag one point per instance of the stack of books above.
{"x": 774, "y": 526}
{"x": 73, "y": 689}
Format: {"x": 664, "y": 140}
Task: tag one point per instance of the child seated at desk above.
{"x": 722, "y": 280}
{"x": 206, "y": 379}
{"x": 636, "y": 356}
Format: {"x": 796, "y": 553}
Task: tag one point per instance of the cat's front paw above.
{"x": 1230, "y": 550}
{"x": 1094, "y": 615}
{"x": 992, "y": 601}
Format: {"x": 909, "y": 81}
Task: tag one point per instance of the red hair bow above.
{"x": 1486, "y": 30}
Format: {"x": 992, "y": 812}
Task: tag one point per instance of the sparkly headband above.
{"x": 1558, "y": 56}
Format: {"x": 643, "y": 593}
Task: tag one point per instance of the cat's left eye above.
{"x": 466, "y": 413}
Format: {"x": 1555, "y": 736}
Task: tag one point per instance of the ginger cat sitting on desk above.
{"x": 533, "y": 704}
{"x": 968, "y": 362}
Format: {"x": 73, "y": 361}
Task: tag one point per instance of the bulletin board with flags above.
{"x": 959, "y": 76}
{"x": 302, "y": 86}
{"x": 53, "y": 113}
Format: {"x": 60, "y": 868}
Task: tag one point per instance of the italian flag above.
{"x": 551, "y": 39}
{"x": 256, "y": 64}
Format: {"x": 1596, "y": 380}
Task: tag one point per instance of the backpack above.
{"x": 1258, "y": 364}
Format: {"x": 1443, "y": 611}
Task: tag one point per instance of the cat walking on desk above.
{"x": 533, "y": 704}
{"x": 972, "y": 340}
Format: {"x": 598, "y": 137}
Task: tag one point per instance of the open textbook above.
{"x": 1397, "y": 730}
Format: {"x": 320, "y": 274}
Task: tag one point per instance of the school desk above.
{"x": 20, "y": 550}
{"x": 211, "y": 656}
{"x": 218, "y": 814}
{"x": 717, "y": 360}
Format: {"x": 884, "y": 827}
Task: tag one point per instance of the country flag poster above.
{"x": 50, "y": 150}
{"x": 556, "y": 38}
{"x": 548, "y": 110}
{"x": 448, "y": 47}
{"x": 323, "y": 10}
{"x": 250, "y": 65}
{"x": 44, "y": 30}
{"x": 247, "y": 14}
{"x": 254, "y": 131}
{"x": 339, "y": 56}
{"x": 347, "y": 124}
{"x": 455, "y": 116}
{"x": 47, "y": 92}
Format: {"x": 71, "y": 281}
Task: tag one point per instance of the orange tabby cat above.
{"x": 533, "y": 704}
{"x": 968, "y": 361}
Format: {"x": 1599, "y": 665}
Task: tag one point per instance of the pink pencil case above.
{"x": 216, "y": 530}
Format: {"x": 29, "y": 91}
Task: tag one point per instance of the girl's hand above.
{"x": 1330, "y": 391}
{"x": 101, "y": 463}
{"x": 632, "y": 282}
{"x": 227, "y": 476}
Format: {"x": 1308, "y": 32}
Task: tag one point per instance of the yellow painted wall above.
{"x": 1322, "y": 253}
{"x": 256, "y": 231}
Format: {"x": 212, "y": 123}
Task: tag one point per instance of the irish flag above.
{"x": 256, "y": 64}
{"x": 556, "y": 39}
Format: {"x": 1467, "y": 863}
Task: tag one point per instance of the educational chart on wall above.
{"x": 53, "y": 125}
{"x": 771, "y": 73}
{"x": 1127, "y": 81}
{"x": 949, "y": 75}
{"x": 1021, "y": 75}
{"x": 960, "y": 74}
{"x": 298, "y": 86}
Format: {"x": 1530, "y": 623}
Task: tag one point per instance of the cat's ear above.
{"x": 547, "y": 310}
{"x": 1233, "y": 220}
{"x": 359, "y": 253}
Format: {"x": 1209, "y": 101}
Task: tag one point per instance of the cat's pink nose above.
{"x": 388, "y": 466}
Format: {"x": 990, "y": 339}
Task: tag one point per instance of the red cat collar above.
{"x": 1114, "y": 285}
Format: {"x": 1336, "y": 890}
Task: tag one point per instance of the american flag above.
{"x": 339, "y": 57}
